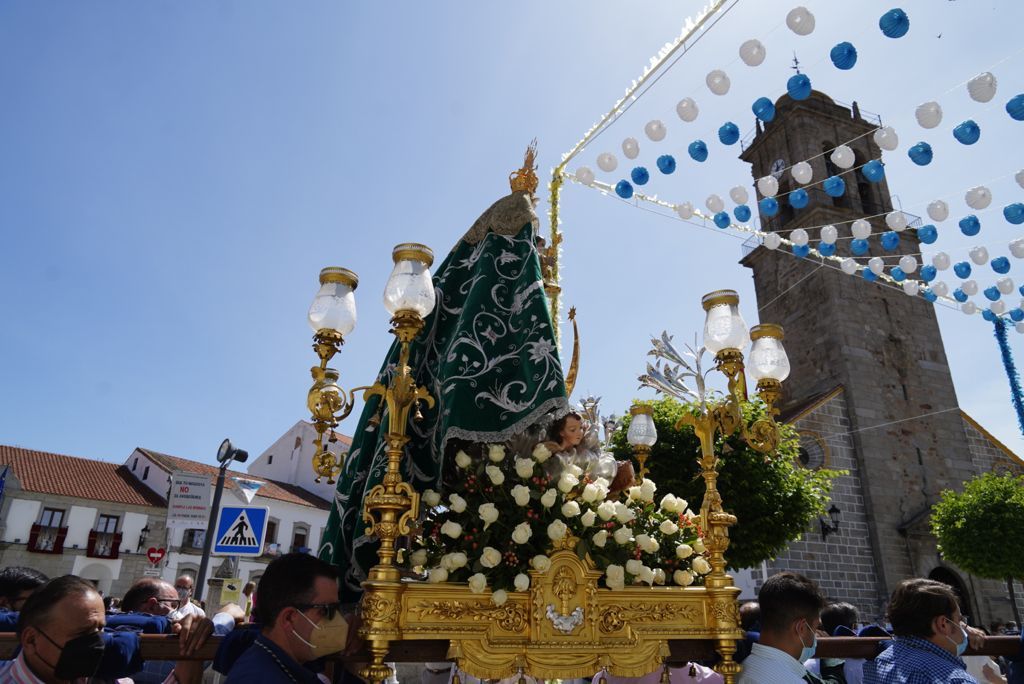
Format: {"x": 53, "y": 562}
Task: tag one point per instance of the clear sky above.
{"x": 174, "y": 175}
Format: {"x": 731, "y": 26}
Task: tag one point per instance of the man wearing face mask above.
{"x": 298, "y": 606}
{"x": 790, "y": 606}
{"x": 929, "y": 641}
{"x": 183, "y": 585}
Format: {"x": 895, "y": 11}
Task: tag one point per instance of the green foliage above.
{"x": 774, "y": 498}
{"x": 982, "y": 528}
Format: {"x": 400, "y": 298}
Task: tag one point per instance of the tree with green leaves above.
{"x": 981, "y": 529}
{"x": 773, "y": 497}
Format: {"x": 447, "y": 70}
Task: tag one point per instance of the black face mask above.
{"x": 79, "y": 657}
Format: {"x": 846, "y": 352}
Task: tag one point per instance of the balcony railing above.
{"x": 46, "y": 539}
{"x": 103, "y": 544}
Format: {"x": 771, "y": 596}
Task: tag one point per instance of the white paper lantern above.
{"x": 998, "y": 308}
{"x": 910, "y": 287}
{"x": 843, "y": 157}
{"x": 978, "y": 198}
{"x": 896, "y": 220}
{"x": 908, "y": 263}
{"x": 799, "y": 237}
{"x": 752, "y": 52}
{"x": 802, "y": 173}
{"x": 876, "y": 265}
{"x": 829, "y": 234}
{"x": 630, "y": 148}
{"x": 941, "y": 261}
{"x": 585, "y": 175}
{"x": 606, "y": 161}
{"x": 739, "y": 195}
{"x": 772, "y": 240}
{"x": 685, "y": 210}
{"x": 1017, "y": 248}
{"x": 970, "y": 287}
{"x": 714, "y": 204}
{"x": 1020, "y": 181}
{"x": 860, "y": 229}
{"x": 979, "y": 255}
{"x": 848, "y": 265}
{"x": 940, "y": 289}
{"x": 886, "y": 138}
{"x": 687, "y": 109}
{"x": 982, "y": 88}
{"x": 969, "y": 308}
{"x": 800, "y": 21}
{"x": 718, "y": 82}
{"x": 938, "y": 210}
{"x": 655, "y": 130}
{"x": 929, "y": 114}
{"x": 767, "y": 186}
{"x": 1005, "y": 285}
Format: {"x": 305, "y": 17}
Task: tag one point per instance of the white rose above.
{"x": 588, "y": 518}
{"x": 457, "y": 560}
{"x": 602, "y": 482}
{"x": 698, "y": 545}
{"x": 668, "y": 503}
{"x": 477, "y": 583}
{"x": 540, "y": 563}
{"x": 633, "y": 566}
{"x": 600, "y": 538}
{"x": 446, "y": 562}
{"x": 681, "y": 506}
{"x": 431, "y": 498}
{"x": 490, "y": 557}
{"x": 682, "y": 578}
{"x": 521, "y": 582}
{"x": 522, "y": 533}
{"x": 451, "y": 529}
{"x": 496, "y": 453}
{"x": 541, "y": 453}
{"x": 456, "y": 503}
{"x": 606, "y": 511}
{"x": 524, "y": 468}
{"x": 521, "y": 494}
{"x": 418, "y": 558}
{"x": 633, "y": 493}
{"x": 668, "y": 528}
{"x": 647, "y": 543}
{"x": 624, "y": 513}
{"x": 462, "y": 459}
{"x": 590, "y": 492}
{"x": 647, "y": 489}
{"x": 548, "y": 499}
{"x": 570, "y": 509}
{"x": 646, "y": 575}
{"x": 659, "y": 576}
{"x": 488, "y": 513}
{"x": 567, "y": 482}
{"x": 557, "y": 530}
{"x": 573, "y": 469}
{"x": 602, "y": 488}
{"x": 499, "y": 597}
{"x": 615, "y": 576}
{"x": 494, "y": 472}
{"x": 436, "y": 575}
{"x": 700, "y": 565}
{"x": 684, "y": 551}
{"x": 623, "y": 535}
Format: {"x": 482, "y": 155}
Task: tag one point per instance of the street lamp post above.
{"x": 225, "y": 455}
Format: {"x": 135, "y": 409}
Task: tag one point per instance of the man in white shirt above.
{"x": 183, "y": 585}
{"x": 790, "y": 608}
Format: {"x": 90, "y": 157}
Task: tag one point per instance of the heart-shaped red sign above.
{"x": 155, "y": 555}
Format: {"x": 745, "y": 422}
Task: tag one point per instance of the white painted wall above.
{"x": 131, "y": 528}
{"x": 21, "y": 515}
{"x": 292, "y": 460}
{"x": 102, "y": 570}
{"x": 80, "y": 520}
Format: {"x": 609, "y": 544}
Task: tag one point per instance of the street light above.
{"x": 143, "y": 534}
{"x": 832, "y": 525}
{"x": 225, "y": 455}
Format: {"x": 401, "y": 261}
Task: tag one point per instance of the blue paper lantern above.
{"x": 859, "y": 247}
{"x": 827, "y": 249}
{"x": 928, "y": 273}
{"x": 967, "y": 132}
{"x": 666, "y": 163}
{"x": 722, "y": 219}
{"x": 834, "y": 186}
{"x": 698, "y": 150}
{"x": 1017, "y": 315}
{"x": 624, "y": 189}
{"x": 928, "y": 234}
{"x": 988, "y": 315}
{"x": 799, "y": 198}
{"x": 640, "y": 175}
{"x": 873, "y": 171}
{"x": 1015, "y": 107}
{"x": 1014, "y": 213}
{"x": 897, "y": 274}
{"x": 729, "y": 133}
{"x": 769, "y": 206}
{"x": 764, "y": 109}
{"x": 970, "y": 225}
{"x": 920, "y": 154}
{"x": 1000, "y": 265}
{"x": 992, "y": 293}
{"x": 959, "y": 295}
{"x": 890, "y": 240}
{"x": 962, "y": 269}
{"x": 843, "y": 55}
{"x": 801, "y": 250}
{"x": 868, "y": 275}
{"x": 742, "y": 213}
{"x": 799, "y": 86}
{"x": 895, "y": 23}
{"x": 928, "y": 295}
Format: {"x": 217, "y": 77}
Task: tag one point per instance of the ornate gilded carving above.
{"x": 378, "y": 608}
{"x": 510, "y": 617}
{"x": 615, "y": 617}
{"x": 725, "y": 611}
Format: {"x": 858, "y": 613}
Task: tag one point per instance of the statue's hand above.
{"x": 624, "y": 478}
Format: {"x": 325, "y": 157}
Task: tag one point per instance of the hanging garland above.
{"x": 1011, "y": 370}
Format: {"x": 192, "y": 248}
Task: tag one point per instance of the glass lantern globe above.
{"x": 410, "y": 287}
{"x": 724, "y": 327}
{"x": 767, "y": 360}
{"x": 334, "y": 306}
{"x": 641, "y": 428}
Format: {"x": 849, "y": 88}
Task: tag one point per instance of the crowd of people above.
{"x": 287, "y": 624}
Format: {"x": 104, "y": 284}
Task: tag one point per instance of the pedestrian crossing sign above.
{"x": 240, "y": 530}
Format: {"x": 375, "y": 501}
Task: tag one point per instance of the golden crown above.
{"x": 525, "y": 179}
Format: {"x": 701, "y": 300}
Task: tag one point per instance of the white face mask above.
{"x": 330, "y": 636}
{"x": 807, "y": 652}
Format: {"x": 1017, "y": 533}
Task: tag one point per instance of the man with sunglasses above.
{"x": 297, "y": 605}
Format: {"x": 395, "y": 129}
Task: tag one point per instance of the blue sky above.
{"x": 174, "y": 175}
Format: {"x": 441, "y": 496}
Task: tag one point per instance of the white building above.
{"x": 290, "y": 459}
